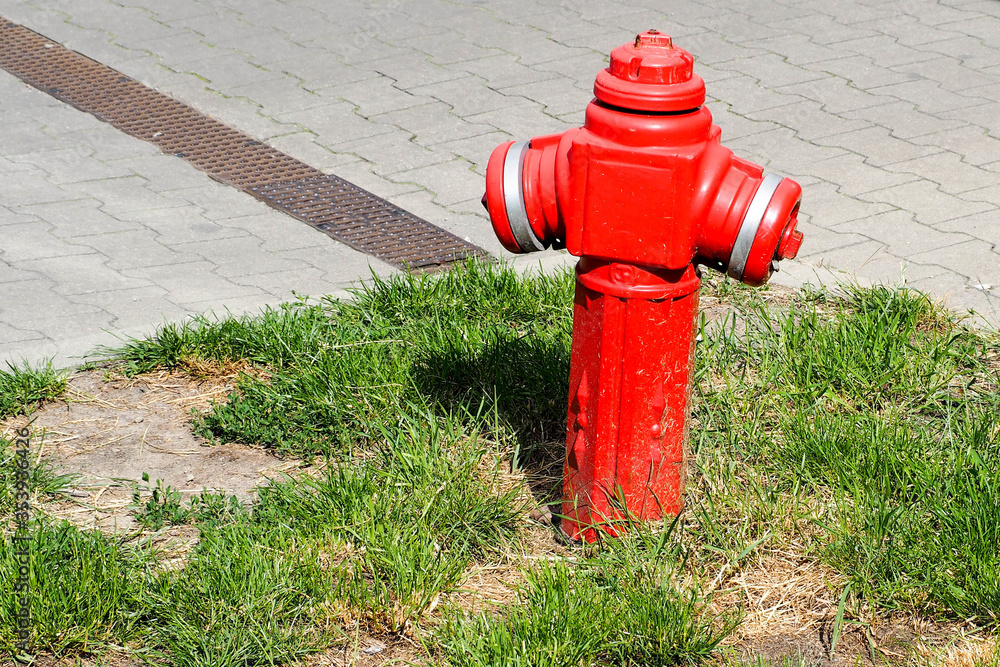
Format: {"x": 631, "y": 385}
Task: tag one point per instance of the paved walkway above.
{"x": 887, "y": 113}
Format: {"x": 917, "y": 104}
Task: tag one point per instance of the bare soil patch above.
{"x": 110, "y": 430}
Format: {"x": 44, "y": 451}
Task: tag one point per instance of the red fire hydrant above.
{"x": 642, "y": 193}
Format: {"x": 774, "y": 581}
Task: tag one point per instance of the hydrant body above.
{"x": 642, "y": 192}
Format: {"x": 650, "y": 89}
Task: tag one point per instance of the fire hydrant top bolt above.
{"x": 651, "y": 74}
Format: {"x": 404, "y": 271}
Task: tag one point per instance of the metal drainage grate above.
{"x": 342, "y": 210}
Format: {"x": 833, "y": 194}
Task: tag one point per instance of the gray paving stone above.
{"x": 836, "y": 94}
{"x": 737, "y": 26}
{"x": 976, "y": 260}
{"x": 773, "y": 71}
{"x": 794, "y": 86}
{"x": 72, "y": 165}
{"x": 452, "y": 181}
{"x": 909, "y": 31}
{"x": 10, "y": 334}
{"x": 476, "y": 150}
{"x": 820, "y": 241}
{"x": 77, "y": 218}
{"x": 34, "y": 305}
{"x": 887, "y": 49}
{"x": 121, "y": 195}
{"x": 903, "y": 119}
{"x": 928, "y": 96}
{"x": 392, "y": 152}
{"x": 950, "y": 73}
{"x": 984, "y": 225}
{"x": 557, "y": 97}
{"x": 275, "y": 94}
{"x": 902, "y": 235}
{"x": 316, "y": 69}
{"x": 217, "y": 26}
{"x": 828, "y": 207}
{"x": 130, "y": 308}
{"x": 860, "y": 71}
{"x": 336, "y": 263}
{"x": 82, "y": 274}
{"x": 334, "y": 123}
{"x": 450, "y": 51}
{"x": 34, "y": 240}
{"x": 967, "y": 49}
{"x": 192, "y": 282}
{"x": 278, "y": 232}
{"x": 467, "y": 96}
{"x": 214, "y": 202}
{"x": 734, "y": 125}
{"x": 376, "y": 96}
{"x": 879, "y": 147}
{"x": 360, "y": 174}
{"x": 285, "y": 285}
{"x": 854, "y": 177}
{"x": 948, "y": 170}
{"x": 928, "y": 202}
{"x": 30, "y": 185}
{"x": 823, "y": 28}
{"x": 410, "y": 72}
{"x": 523, "y": 120}
{"x": 304, "y": 147}
{"x": 979, "y": 116}
{"x": 985, "y": 28}
{"x": 744, "y": 95}
{"x": 712, "y": 48}
{"x": 432, "y": 123}
{"x": 798, "y": 49}
{"x": 9, "y": 274}
{"x": 25, "y": 138}
{"x": 238, "y": 256}
{"x": 808, "y": 120}
{"x": 9, "y": 217}
{"x": 990, "y": 193}
{"x": 133, "y": 249}
{"x": 780, "y": 150}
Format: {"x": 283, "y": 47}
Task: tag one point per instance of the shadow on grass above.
{"x": 519, "y": 386}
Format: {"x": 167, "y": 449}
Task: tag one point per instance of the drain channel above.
{"x": 330, "y": 204}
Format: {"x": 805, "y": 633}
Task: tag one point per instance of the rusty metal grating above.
{"x": 342, "y": 210}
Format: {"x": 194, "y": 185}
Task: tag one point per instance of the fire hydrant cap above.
{"x": 651, "y": 74}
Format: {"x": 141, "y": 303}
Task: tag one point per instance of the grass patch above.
{"x": 23, "y": 387}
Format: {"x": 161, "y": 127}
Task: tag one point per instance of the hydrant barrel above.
{"x": 630, "y": 383}
{"x": 642, "y": 193}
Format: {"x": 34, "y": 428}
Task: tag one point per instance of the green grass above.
{"x": 861, "y": 430}
{"x": 623, "y": 605}
{"x": 477, "y": 339}
{"x": 877, "y": 418}
{"x": 84, "y": 589}
{"x": 43, "y": 479}
{"x": 23, "y": 387}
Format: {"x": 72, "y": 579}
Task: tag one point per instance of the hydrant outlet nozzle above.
{"x": 504, "y": 198}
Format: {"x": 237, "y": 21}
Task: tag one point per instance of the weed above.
{"x": 163, "y": 507}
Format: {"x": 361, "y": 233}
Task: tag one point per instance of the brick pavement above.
{"x": 887, "y": 113}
